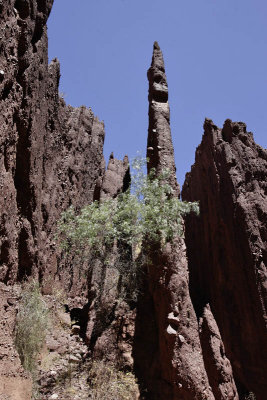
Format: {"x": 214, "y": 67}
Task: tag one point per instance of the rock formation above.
{"x": 110, "y": 326}
{"x": 217, "y": 365}
{"x": 159, "y": 142}
{"x": 116, "y": 178}
{"x": 167, "y": 352}
{"x": 50, "y": 154}
{"x": 226, "y": 246}
{"x": 197, "y": 339}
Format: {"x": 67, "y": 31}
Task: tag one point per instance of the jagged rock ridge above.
{"x": 226, "y": 245}
{"x": 50, "y": 154}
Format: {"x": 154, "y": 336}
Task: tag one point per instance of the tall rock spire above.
{"x": 167, "y": 352}
{"x": 159, "y": 143}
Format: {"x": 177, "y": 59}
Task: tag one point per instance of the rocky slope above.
{"x": 226, "y": 245}
{"x": 15, "y": 383}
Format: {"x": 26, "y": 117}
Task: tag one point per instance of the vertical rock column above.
{"x": 159, "y": 142}
{"x": 167, "y": 352}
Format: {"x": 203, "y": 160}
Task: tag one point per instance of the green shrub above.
{"x": 148, "y": 212}
{"x": 250, "y": 396}
{"x": 31, "y": 325}
{"x": 108, "y": 383}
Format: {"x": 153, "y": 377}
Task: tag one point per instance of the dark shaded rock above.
{"x": 217, "y": 365}
{"x": 226, "y": 246}
{"x": 167, "y": 352}
{"x": 159, "y": 142}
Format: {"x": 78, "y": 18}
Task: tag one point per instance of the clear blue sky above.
{"x": 215, "y": 56}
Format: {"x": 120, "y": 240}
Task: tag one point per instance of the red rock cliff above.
{"x": 226, "y": 246}
{"x": 50, "y": 154}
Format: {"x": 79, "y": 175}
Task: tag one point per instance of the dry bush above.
{"x": 108, "y": 383}
{"x": 31, "y": 325}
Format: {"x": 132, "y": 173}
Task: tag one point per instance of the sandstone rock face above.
{"x": 50, "y": 154}
{"x": 116, "y": 178}
{"x": 159, "y": 142}
{"x": 167, "y": 352}
{"x": 217, "y": 365}
{"x": 226, "y": 246}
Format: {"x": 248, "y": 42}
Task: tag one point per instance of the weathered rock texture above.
{"x": 159, "y": 142}
{"x": 51, "y": 157}
{"x": 167, "y": 352}
{"x": 217, "y": 365}
{"x": 50, "y": 154}
{"x": 116, "y": 178}
{"x": 226, "y": 246}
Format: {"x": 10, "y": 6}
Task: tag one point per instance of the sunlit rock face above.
{"x": 226, "y": 245}
{"x": 50, "y": 153}
{"x": 116, "y": 178}
{"x": 159, "y": 142}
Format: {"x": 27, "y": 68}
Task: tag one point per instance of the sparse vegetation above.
{"x": 108, "y": 383}
{"x": 31, "y": 325}
{"x": 250, "y": 396}
{"x": 148, "y": 212}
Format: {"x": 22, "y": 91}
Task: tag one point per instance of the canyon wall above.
{"x": 51, "y": 154}
{"x": 226, "y": 245}
{"x": 197, "y": 330}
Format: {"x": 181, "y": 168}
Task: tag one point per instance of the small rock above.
{"x": 181, "y": 338}
{"x": 74, "y": 359}
{"x": 52, "y": 345}
{"x": 172, "y": 318}
{"x": 64, "y": 318}
{"x": 11, "y": 301}
{"x": 54, "y": 396}
{"x": 171, "y": 331}
{"x": 75, "y": 329}
{"x": 2, "y": 75}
